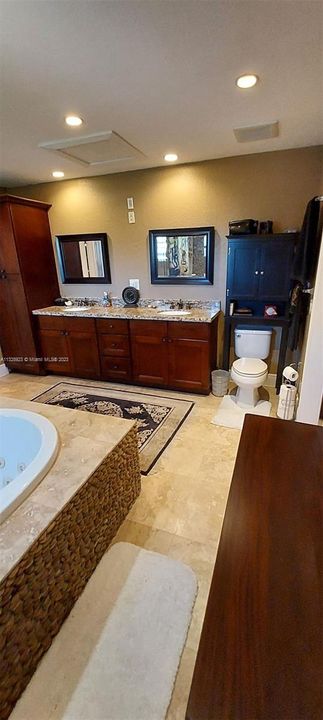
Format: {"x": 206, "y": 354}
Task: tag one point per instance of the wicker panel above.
{"x": 41, "y": 590}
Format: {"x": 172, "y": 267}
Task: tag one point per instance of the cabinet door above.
{"x": 8, "y": 254}
{"x": 189, "y": 364}
{"x": 83, "y": 351}
{"x": 149, "y": 352}
{"x": 55, "y": 351}
{"x": 16, "y": 336}
{"x": 243, "y": 270}
{"x": 275, "y": 270}
{"x": 35, "y": 252}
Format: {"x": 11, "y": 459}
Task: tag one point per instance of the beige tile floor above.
{"x": 181, "y": 506}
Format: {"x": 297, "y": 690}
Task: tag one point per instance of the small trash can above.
{"x": 220, "y": 382}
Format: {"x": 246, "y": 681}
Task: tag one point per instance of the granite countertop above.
{"x": 128, "y": 313}
{"x": 85, "y": 440}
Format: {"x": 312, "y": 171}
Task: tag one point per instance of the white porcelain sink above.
{"x": 174, "y": 312}
{"x": 74, "y": 308}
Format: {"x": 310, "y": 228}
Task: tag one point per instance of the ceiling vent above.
{"x": 257, "y": 132}
{"x": 98, "y": 149}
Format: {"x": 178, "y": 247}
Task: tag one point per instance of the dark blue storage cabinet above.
{"x": 259, "y": 273}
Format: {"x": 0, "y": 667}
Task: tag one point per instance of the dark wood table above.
{"x": 260, "y": 653}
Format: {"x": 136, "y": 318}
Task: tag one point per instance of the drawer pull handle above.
{"x": 256, "y": 272}
{"x": 115, "y": 367}
{"x": 262, "y": 272}
{"x": 111, "y": 326}
{"x": 113, "y": 344}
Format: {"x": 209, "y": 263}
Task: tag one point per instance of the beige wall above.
{"x": 274, "y": 185}
{"x": 269, "y": 185}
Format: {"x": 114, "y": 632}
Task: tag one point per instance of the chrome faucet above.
{"x": 107, "y": 299}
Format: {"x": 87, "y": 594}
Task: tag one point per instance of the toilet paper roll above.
{"x": 290, "y": 373}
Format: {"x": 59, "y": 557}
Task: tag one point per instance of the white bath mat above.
{"x": 117, "y": 654}
{"x": 230, "y": 415}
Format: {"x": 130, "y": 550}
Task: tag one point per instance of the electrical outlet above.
{"x": 130, "y": 204}
{"x": 131, "y": 216}
{"x": 134, "y": 283}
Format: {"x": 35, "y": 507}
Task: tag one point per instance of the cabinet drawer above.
{"x": 155, "y": 328}
{"x": 112, "y": 327}
{"x": 114, "y": 345}
{"x": 50, "y": 322}
{"x": 189, "y": 330}
{"x": 117, "y": 368}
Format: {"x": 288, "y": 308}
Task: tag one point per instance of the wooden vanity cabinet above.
{"x": 178, "y": 355}
{"x": 69, "y": 346}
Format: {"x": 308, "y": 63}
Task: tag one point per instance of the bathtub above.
{"x": 28, "y": 447}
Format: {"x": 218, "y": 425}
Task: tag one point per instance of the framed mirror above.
{"x": 182, "y": 256}
{"x": 84, "y": 258}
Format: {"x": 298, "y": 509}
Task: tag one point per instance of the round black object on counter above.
{"x": 130, "y": 296}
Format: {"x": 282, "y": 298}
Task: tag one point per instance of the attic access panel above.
{"x": 97, "y": 149}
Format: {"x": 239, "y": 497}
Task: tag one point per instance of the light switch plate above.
{"x": 134, "y": 283}
{"x": 131, "y": 216}
{"x": 130, "y": 204}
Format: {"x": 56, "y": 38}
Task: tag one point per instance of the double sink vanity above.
{"x": 145, "y": 346}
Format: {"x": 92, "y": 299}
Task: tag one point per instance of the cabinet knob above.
{"x": 256, "y": 272}
{"x": 170, "y": 340}
{"x": 62, "y": 332}
{"x": 111, "y": 326}
{"x": 113, "y": 344}
{"x": 115, "y": 367}
{"x": 262, "y": 272}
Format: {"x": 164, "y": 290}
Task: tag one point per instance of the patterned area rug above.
{"x": 158, "y": 418}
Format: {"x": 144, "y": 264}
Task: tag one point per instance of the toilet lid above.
{"x": 250, "y": 366}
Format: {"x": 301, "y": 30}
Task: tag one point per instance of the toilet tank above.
{"x": 252, "y": 343}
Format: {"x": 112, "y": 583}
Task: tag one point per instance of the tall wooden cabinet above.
{"x": 28, "y": 278}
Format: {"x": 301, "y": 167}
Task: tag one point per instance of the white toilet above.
{"x": 250, "y": 371}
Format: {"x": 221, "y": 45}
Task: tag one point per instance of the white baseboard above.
{"x": 271, "y": 380}
{"x": 3, "y": 370}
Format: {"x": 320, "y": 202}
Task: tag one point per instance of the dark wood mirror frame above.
{"x": 182, "y": 280}
{"x": 66, "y": 241}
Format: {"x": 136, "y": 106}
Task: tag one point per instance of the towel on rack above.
{"x": 308, "y": 246}
{"x": 303, "y": 271}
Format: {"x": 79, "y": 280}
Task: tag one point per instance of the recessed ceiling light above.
{"x": 246, "y": 81}
{"x": 58, "y": 173}
{"x": 73, "y": 120}
{"x": 171, "y": 157}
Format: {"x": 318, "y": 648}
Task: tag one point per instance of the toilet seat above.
{"x": 251, "y": 367}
